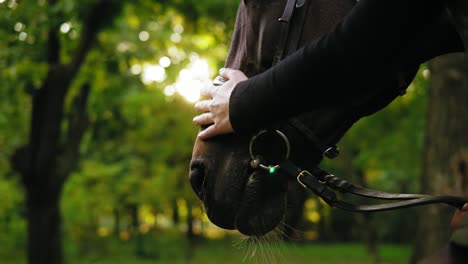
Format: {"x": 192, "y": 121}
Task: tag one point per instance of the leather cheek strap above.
{"x": 322, "y": 183}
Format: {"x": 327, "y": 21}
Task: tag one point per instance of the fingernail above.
{"x": 221, "y": 70}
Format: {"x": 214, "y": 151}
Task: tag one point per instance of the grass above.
{"x": 302, "y": 253}
{"x": 227, "y": 251}
{"x": 346, "y": 253}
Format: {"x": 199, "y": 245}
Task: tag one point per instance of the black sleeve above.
{"x": 335, "y": 69}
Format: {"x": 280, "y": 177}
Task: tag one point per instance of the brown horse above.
{"x": 236, "y": 196}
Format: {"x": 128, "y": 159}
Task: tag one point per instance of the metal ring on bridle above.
{"x": 286, "y": 142}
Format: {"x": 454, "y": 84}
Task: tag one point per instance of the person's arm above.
{"x": 335, "y": 68}
{"x": 456, "y": 250}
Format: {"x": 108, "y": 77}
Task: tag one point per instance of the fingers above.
{"x": 207, "y": 91}
{"x": 203, "y": 106}
{"x": 231, "y": 74}
{"x": 226, "y": 72}
{"x": 208, "y": 132}
{"x": 215, "y": 108}
{"x": 204, "y": 119}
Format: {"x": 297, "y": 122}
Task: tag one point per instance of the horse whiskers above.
{"x": 264, "y": 249}
{"x": 283, "y": 226}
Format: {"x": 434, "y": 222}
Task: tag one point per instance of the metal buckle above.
{"x": 300, "y": 3}
{"x": 298, "y": 178}
{"x": 256, "y": 163}
{"x": 331, "y": 152}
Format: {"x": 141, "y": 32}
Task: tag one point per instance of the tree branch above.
{"x": 53, "y": 48}
{"x": 102, "y": 12}
{"x": 78, "y": 122}
{"x": 47, "y": 112}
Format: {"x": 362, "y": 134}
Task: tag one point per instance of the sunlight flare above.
{"x": 65, "y": 27}
{"x": 153, "y": 73}
{"x": 192, "y": 79}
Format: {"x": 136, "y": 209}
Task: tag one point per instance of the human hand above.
{"x": 446, "y": 253}
{"x": 458, "y": 216}
{"x": 216, "y": 109}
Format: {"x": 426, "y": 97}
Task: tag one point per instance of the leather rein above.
{"x": 317, "y": 180}
{"x": 324, "y": 184}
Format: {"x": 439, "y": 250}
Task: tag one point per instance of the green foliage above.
{"x": 221, "y": 10}
{"x": 138, "y": 145}
{"x": 139, "y": 142}
{"x": 12, "y": 222}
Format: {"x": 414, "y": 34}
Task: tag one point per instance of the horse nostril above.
{"x": 197, "y": 177}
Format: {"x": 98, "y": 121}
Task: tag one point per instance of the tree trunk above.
{"x": 175, "y": 212}
{"x": 52, "y": 152}
{"x": 139, "y": 244}
{"x": 367, "y": 226}
{"x": 190, "y": 233}
{"x": 446, "y": 147}
{"x": 44, "y": 166}
{"x": 44, "y": 230}
{"x": 116, "y": 223}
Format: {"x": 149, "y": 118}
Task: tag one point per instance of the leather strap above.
{"x": 298, "y": 21}
{"x": 329, "y": 152}
{"x": 321, "y": 183}
{"x": 285, "y": 21}
{"x": 347, "y": 187}
{"x": 293, "y": 15}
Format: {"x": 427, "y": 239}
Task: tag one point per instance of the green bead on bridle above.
{"x": 256, "y": 163}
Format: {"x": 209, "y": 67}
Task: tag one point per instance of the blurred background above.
{"x": 96, "y": 134}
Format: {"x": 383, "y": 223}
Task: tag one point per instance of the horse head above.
{"x": 235, "y": 194}
{"x": 238, "y": 194}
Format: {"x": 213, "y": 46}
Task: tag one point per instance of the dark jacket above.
{"x": 348, "y": 52}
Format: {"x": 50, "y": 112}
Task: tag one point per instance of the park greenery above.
{"x": 126, "y": 194}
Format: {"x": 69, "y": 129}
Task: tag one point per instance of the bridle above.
{"x": 324, "y": 184}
